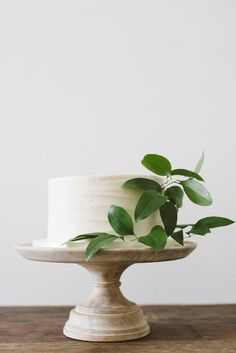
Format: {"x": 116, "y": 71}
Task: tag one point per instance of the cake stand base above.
{"x": 107, "y": 315}
{"x": 106, "y": 327}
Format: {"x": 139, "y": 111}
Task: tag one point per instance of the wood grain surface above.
{"x": 174, "y": 329}
{"x": 107, "y": 316}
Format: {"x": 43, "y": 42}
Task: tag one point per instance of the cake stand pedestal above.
{"x": 107, "y": 315}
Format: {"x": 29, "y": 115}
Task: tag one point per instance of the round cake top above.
{"x": 101, "y": 178}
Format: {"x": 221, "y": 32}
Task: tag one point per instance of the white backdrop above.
{"x": 89, "y": 87}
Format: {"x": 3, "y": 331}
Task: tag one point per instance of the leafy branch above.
{"x": 167, "y": 198}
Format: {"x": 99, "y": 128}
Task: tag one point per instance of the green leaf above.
{"x": 186, "y": 173}
{"x": 178, "y": 236}
{"x": 214, "y": 222}
{"x": 142, "y": 184}
{"x": 200, "y": 229}
{"x": 120, "y": 220}
{"x": 204, "y": 225}
{"x": 168, "y": 213}
{"x": 97, "y": 243}
{"x": 199, "y": 164}
{"x": 182, "y": 226}
{"x": 157, "y": 164}
{"x": 156, "y": 239}
{"x": 175, "y": 195}
{"x": 148, "y": 203}
{"x": 85, "y": 236}
{"x": 197, "y": 192}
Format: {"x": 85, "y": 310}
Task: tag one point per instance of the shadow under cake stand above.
{"x": 107, "y": 315}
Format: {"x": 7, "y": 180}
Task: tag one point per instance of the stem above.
{"x": 168, "y": 183}
{"x": 187, "y": 236}
{"x": 182, "y": 226}
{"x": 168, "y": 179}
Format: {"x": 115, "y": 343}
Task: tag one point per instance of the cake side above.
{"x": 80, "y": 204}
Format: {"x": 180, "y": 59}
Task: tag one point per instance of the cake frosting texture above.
{"x": 80, "y": 204}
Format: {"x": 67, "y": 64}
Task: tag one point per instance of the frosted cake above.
{"x": 79, "y": 204}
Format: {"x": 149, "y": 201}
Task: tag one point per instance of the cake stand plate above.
{"x": 107, "y": 315}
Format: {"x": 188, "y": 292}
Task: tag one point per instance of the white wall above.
{"x": 89, "y": 87}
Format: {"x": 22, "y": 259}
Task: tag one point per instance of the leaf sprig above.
{"x": 167, "y": 198}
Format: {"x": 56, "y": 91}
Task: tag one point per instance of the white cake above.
{"x": 80, "y": 204}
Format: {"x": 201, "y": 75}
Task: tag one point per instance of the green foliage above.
{"x": 199, "y": 164}
{"x": 175, "y": 195}
{"x": 156, "y": 239}
{"x": 204, "y": 225}
{"x": 168, "y": 213}
{"x": 165, "y": 198}
{"x": 97, "y": 243}
{"x": 120, "y": 220}
{"x": 178, "y": 236}
{"x": 214, "y": 222}
{"x": 157, "y": 164}
{"x": 186, "y": 173}
{"x": 196, "y": 192}
{"x": 183, "y": 226}
{"x": 142, "y": 184}
{"x": 200, "y": 229}
{"x": 148, "y": 203}
{"x": 86, "y": 236}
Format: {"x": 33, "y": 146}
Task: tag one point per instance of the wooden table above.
{"x": 174, "y": 329}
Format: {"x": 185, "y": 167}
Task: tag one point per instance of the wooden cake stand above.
{"x": 107, "y": 315}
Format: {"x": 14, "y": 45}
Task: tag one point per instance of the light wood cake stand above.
{"x": 107, "y": 315}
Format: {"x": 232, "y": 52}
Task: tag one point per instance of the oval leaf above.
{"x": 168, "y": 213}
{"x": 97, "y": 243}
{"x": 85, "y": 236}
{"x": 157, "y": 164}
{"x": 200, "y": 229}
{"x": 175, "y": 195}
{"x": 203, "y": 226}
{"x": 148, "y": 203}
{"x": 142, "y": 184}
{"x": 120, "y": 220}
{"x": 199, "y": 164}
{"x": 156, "y": 239}
{"x": 197, "y": 192}
{"x": 214, "y": 222}
{"x": 186, "y": 173}
{"x": 178, "y": 236}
